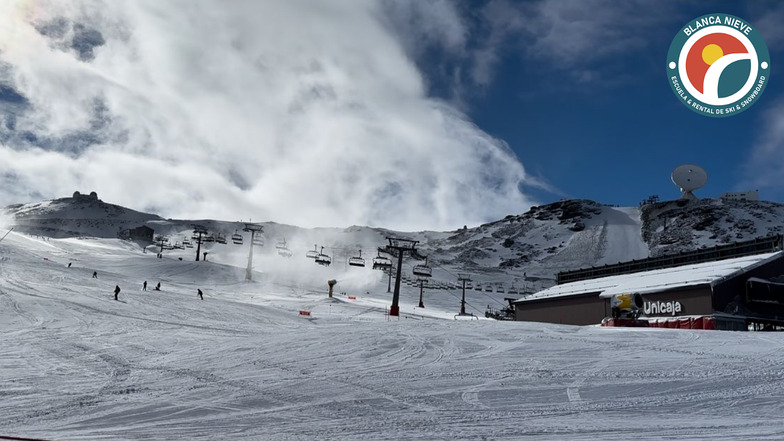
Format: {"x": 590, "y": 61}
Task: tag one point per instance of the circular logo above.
{"x": 718, "y": 65}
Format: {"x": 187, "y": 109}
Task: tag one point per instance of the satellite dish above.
{"x": 689, "y": 177}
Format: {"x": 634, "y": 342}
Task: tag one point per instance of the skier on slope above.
{"x": 201, "y": 295}
{"x": 116, "y": 291}
{"x": 158, "y": 286}
{"x": 95, "y": 274}
{"x": 144, "y": 286}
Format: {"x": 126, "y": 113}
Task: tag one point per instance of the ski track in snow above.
{"x": 623, "y": 239}
{"x": 241, "y": 364}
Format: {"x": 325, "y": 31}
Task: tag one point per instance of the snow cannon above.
{"x": 331, "y": 283}
{"x": 627, "y": 305}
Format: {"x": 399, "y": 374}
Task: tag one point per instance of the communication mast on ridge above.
{"x": 398, "y": 247}
{"x": 254, "y": 229}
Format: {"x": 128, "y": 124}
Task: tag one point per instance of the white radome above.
{"x": 689, "y": 177}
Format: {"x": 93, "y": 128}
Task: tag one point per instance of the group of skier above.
{"x": 117, "y": 289}
{"x": 157, "y": 288}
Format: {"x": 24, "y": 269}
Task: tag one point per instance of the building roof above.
{"x": 658, "y": 280}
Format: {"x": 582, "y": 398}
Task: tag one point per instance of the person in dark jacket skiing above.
{"x": 116, "y": 291}
{"x": 69, "y": 264}
{"x": 144, "y": 286}
{"x": 95, "y": 274}
{"x": 201, "y": 295}
{"x": 158, "y": 286}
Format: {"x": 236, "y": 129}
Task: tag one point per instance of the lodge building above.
{"x": 738, "y": 286}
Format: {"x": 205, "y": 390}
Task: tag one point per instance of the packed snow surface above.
{"x": 658, "y": 280}
{"x": 243, "y": 364}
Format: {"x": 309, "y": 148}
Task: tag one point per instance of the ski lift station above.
{"x": 738, "y": 286}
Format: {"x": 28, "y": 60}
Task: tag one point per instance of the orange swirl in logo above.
{"x": 706, "y": 51}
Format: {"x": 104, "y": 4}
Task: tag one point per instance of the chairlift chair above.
{"x": 283, "y": 250}
{"x": 236, "y": 238}
{"x": 312, "y": 254}
{"x": 258, "y": 239}
{"x": 210, "y": 238}
{"x": 381, "y": 262}
{"x": 423, "y": 270}
{"x": 357, "y": 261}
{"x": 323, "y": 259}
{"x": 221, "y": 239}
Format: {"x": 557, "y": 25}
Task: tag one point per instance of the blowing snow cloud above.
{"x": 301, "y": 112}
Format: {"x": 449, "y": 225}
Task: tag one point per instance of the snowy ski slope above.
{"x": 242, "y": 364}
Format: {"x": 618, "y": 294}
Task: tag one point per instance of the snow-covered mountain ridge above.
{"x": 528, "y": 248}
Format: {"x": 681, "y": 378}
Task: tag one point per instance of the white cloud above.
{"x": 302, "y": 112}
{"x": 764, "y": 170}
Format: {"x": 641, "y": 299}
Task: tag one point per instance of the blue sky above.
{"x": 405, "y": 114}
{"x": 579, "y": 91}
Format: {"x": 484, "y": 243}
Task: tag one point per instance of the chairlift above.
{"x": 423, "y": 270}
{"x": 323, "y": 259}
{"x": 477, "y": 287}
{"x": 210, "y": 238}
{"x": 236, "y": 238}
{"x": 513, "y": 290}
{"x": 312, "y": 254}
{"x": 499, "y": 289}
{"x": 283, "y": 250}
{"x": 357, "y": 261}
{"x": 221, "y": 239}
{"x": 258, "y": 239}
{"x": 186, "y": 242}
{"x": 195, "y": 236}
{"x": 381, "y": 262}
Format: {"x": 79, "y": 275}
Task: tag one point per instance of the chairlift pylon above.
{"x": 357, "y": 261}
